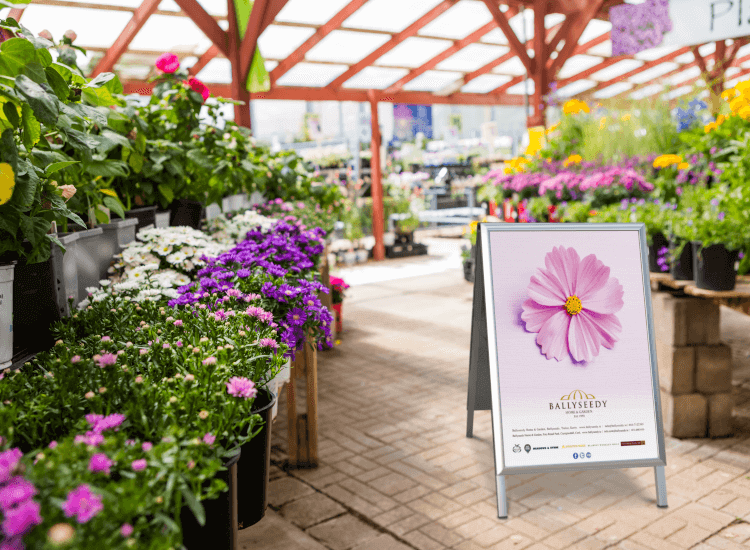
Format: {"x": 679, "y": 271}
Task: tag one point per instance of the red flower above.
{"x": 168, "y": 63}
{"x": 198, "y": 86}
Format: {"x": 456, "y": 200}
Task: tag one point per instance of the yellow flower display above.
{"x": 683, "y": 166}
{"x": 572, "y": 159}
{"x": 625, "y": 117}
{"x": 575, "y": 106}
{"x": 515, "y": 165}
{"x": 602, "y": 123}
{"x": 664, "y": 161}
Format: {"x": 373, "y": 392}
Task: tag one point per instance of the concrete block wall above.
{"x": 695, "y": 368}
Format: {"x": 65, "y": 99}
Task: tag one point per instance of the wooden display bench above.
{"x": 695, "y": 367}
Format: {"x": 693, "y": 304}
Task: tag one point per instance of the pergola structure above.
{"x": 469, "y": 52}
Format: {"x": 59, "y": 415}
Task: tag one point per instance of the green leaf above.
{"x": 63, "y": 70}
{"x": 44, "y": 104}
{"x": 135, "y": 160}
{"x": 100, "y": 97}
{"x": 32, "y": 130}
{"x": 101, "y": 216}
{"x": 194, "y": 504}
{"x": 166, "y": 192}
{"x": 100, "y": 80}
{"x": 34, "y": 228}
{"x": 80, "y": 140}
{"x": 14, "y": 55}
{"x": 98, "y": 115}
{"x": 55, "y": 166}
{"x": 44, "y": 57}
{"x": 140, "y": 143}
{"x": 57, "y": 83}
{"x": 11, "y": 113}
{"x": 115, "y": 206}
{"x": 35, "y": 72}
{"x": 53, "y": 238}
{"x": 107, "y": 168}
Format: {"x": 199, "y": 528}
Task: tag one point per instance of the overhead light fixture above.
{"x": 451, "y": 88}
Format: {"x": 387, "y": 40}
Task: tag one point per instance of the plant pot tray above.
{"x": 405, "y": 250}
{"x": 667, "y": 280}
{"x": 738, "y": 299}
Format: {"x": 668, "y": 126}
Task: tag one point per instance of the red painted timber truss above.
{"x": 542, "y": 58}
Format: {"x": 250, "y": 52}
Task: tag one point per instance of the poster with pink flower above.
{"x": 575, "y": 375}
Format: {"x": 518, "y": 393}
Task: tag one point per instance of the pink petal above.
{"x": 607, "y": 299}
{"x": 544, "y": 291}
{"x": 608, "y": 327}
{"x": 535, "y": 314}
{"x": 583, "y": 339}
{"x": 592, "y": 276}
{"x": 563, "y": 263}
{"x": 553, "y": 336}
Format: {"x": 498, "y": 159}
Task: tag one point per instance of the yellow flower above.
{"x": 625, "y": 117}
{"x": 683, "y": 166}
{"x": 710, "y": 126}
{"x": 738, "y": 103}
{"x": 109, "y": 192}
{"x": 552, "y": 128}
{"x": 7, "y": 182}
{"x": 744, "y": 112}
{"x": 743, "y": 87}
{"x": 729, "y": 94}
{"x": 575, "y": 106}
{"x": 720, "y": 119}
{"x": 667, "y": 160}
{"x": 572, "y": 159}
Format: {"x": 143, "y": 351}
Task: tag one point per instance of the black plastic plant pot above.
{"x": 714, "y": 267}
{"x": 39, "y": 299}
{"x": 146, "y": 216}
{"x": 217, "y": 531}
{"x": 186, "y": 212}
{"x": 255, "y": 466}
{"x": 681, "y": 268}
{"x": 660, "y": 242}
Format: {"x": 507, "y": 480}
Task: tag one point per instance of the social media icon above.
{"x": 575, "y": 456}
{"x": 588, "y": 455}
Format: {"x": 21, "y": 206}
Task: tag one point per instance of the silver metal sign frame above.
{"x": 488, "y": 229}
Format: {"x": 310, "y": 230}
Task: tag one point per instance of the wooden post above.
{"x": 377, "y": 185}
{"x": 540, "y": 73}
{"x": 233, "y": 507}
{"x": 291, "y": 415}
{"x": 311, "y": 358}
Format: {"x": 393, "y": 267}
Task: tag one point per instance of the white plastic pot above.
{"x": 362, "y": 255}
{"x": 6, "y": 314}
{"x": 162, "y": 219}
{"x": 278, "y": 383}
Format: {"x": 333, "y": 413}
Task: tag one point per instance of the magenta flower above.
{"x": 209, "y": 361}
{"x": 209, "y": 439}
{"x": 100, "y": 463}
{"x": 83, "y": 504}
{"x": 139, "y": 464}
{"x": 18, "y": 490}
{"x": 178, "y": 323}
{"x": 268, "y": 343}
{"x": 241, "y": 387}
{"x": 147, "y": 446}
{"x": 21, "y": 519}
{"x": 75, "y": 359}
{"x": 168, "y": 63}
{"x": 126, "y": 530}
{"x": 572, "y": 305}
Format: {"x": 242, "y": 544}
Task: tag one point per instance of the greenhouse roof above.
{"x": 406, "y": 51}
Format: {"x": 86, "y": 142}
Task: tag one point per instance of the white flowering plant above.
{"x": 232, "y": 229}
{"x": 179, "y": 249}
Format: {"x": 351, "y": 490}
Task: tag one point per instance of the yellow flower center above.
{"x": 573, "y": 305}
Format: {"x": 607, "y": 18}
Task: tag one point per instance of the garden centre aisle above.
{"x": 397, "y": 471}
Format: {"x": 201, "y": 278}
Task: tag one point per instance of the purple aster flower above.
{"x": 721, "y": 216}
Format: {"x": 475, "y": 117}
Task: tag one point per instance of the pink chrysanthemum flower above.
{"x": 572, "y": 305}
{"x": 241, "y": 387}
{"x": 83, "y": 504}
{"x": 100, "y": 463}
{"x": 106, "y": 360}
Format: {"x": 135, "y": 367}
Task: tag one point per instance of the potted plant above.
{"x": 338, "y": 290}
{"x": 714, "y": 221}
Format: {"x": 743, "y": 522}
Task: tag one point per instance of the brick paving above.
{"x": 397, "y": 472}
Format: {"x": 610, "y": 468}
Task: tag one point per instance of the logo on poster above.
{"x": 516, "y": 448}
{"x": 527, "y": 447}
{"x": 578, "y": 399}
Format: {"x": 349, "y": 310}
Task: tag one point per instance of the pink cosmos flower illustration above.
{"x": 572, "y": 305}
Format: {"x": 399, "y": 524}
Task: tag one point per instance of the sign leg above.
{"x": 469, "y": 422}
{"x": 661, "y": 486}
{"x": 502, "y": 500}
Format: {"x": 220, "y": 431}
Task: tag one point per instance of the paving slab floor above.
{"x": 397, "y": 471}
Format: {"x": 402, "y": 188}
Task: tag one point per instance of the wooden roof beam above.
{"x": 203, "y": 60}
{"x": 397, "y": 39}
{"x": 515, "y": 44}
{"x": 457, "y": 46}
{"x": 120, "y": 45}
{"x": 206, "y": 23}
{"x": 299, "y": 54}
